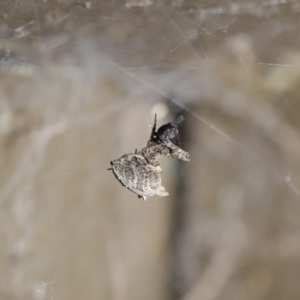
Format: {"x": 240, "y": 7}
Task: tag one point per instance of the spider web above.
{"x": 80, "y": 84}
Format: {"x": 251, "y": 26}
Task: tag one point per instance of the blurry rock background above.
{"x": 79, "y": 85}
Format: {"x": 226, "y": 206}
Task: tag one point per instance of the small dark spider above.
{"x": 140, "y": 172}
{"x": 167, "y": 132}
{"x": 165, "y": 141}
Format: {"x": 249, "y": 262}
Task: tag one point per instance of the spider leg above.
{"x": 153, "y": 132}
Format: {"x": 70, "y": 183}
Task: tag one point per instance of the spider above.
{"x": 167, "y": 132}
{"x": 165, "y": 141}
{"x": 140, "y": 172}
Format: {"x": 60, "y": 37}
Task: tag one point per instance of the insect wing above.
{"x": 136, "y": 174}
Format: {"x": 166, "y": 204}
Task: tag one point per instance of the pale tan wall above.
{"x": 84, "y": 90}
